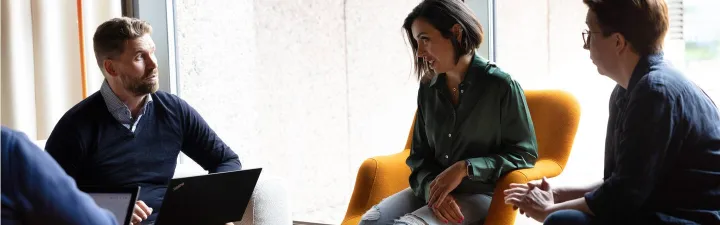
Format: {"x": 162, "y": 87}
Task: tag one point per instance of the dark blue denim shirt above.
{"x": 662, "y": 151}
{"x": 36, "y": 190}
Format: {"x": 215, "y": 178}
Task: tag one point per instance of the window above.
{"x": 701, "y": 31}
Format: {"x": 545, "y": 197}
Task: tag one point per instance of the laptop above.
{"x": 216, "y": 198}
{"x": 120, "y": 201}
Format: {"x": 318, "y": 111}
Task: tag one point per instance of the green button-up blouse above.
{"x": 490, "y": 128}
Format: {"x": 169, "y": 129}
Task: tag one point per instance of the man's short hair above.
{"x": 110, "y": 37}
{"x": 643, "y": 23}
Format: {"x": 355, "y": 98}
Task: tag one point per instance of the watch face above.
{"x": 468, "y": 169}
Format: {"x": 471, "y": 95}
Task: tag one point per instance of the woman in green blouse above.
{"x": 472, "y": 125}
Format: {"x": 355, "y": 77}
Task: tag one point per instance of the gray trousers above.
{"x": 403, "y": 208}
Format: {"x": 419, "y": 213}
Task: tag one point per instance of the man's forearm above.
{"x": 232, "y": 164}
{"x": 575, "y": 204}
{"x": 564, "y": 194}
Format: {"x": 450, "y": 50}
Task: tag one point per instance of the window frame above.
{"x": 485, "y": 11}
{"x": 161, "y": 14}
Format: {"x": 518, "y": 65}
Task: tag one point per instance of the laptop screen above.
{"x": 116, "y": 203}
{"x": 120, "y": 201}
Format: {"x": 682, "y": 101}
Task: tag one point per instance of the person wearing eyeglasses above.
{"x": 662, "y": 151}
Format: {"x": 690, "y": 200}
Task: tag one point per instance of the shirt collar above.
{"x": 643, "y": 67}
{"x": 475, "y": 69}
{"x": 116, "y": 107}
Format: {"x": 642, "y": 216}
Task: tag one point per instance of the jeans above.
{"x": 403, "y": 208}
{"x": 570, "y": 217}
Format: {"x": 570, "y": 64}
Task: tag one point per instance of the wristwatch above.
{"x": 468, "y": 169}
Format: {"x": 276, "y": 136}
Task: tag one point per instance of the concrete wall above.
{"x": 305, "y": 89}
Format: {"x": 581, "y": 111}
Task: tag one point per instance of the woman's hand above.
{"x": 446, "y": 182}
{"x": 448, "y": 210}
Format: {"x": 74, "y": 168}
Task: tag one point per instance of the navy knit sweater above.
{"x": 95, "y": 149}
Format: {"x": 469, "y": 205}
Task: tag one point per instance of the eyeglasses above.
{"x": 586, "y": 35}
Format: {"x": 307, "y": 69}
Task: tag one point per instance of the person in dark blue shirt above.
{"x": 35, "y": 190}
{"x": 662, "y": 149}
{"x": 129, "y": 133}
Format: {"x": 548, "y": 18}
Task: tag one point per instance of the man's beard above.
{"x": 141, "y": 86}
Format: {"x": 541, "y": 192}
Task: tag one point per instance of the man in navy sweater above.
{"x": 35, "y": 190}
{"x": 129, "y": 133}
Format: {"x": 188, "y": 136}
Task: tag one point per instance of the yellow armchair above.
{"x": 555, "y": 115}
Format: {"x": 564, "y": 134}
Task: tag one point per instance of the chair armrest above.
{"x": 503, "y": 214}
{"x": 378, "y": 178}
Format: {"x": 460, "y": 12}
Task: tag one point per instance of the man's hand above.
{"x": 533, "y": 200}
{"x": 446, "y": 182}
{"x": 448, "y": 210}
{"x": 140, "y": 213}
{"x": 523, "y": 188}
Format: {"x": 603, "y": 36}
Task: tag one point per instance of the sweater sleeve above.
{"x": 66, "y": 147}
{"x": 41, "y": 192}
{"x": 203, "y": 145}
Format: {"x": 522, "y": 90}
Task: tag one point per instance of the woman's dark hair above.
{"x": 643, "y": 23}
{"x": 443, "y": 15}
